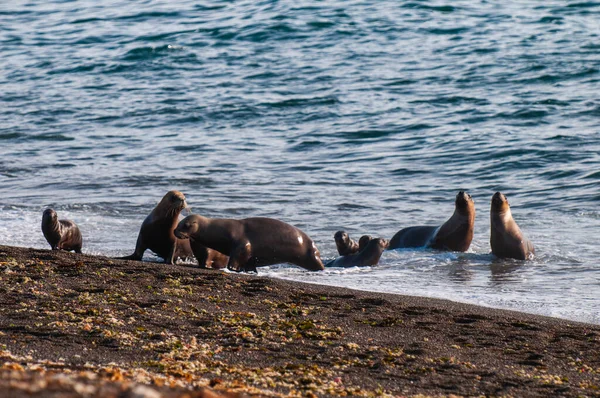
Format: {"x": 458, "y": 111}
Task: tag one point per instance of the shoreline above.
{"x": 268, "y": 336}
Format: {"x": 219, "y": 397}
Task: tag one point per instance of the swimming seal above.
{"x": 455, "y": 234}
{"x": 252, "y": 242}
{"x": 156, "y": 232}
{"x": 61, "y": 234}
{"x": 368, "y": 256}
{"x": 506, "y": 238}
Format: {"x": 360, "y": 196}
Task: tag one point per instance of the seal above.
{"x": 364, "y": 241}
{"x": 208, "y": 258}
{"x": 252, "y": 242}
{"x": 156, "y": 232}
{"x": 368, "y": 256}
{"x": 506, "y": 238}
{"x": 455, "y": 234}
{"x": 61, "y": 234}
{"x": 345, "y": 245}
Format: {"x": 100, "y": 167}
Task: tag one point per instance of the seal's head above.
{"x": 464, "y": 202}
{"x": 499, "y": 203}
{"x": 341, "y": 238}
{"x": 381, "y": 243}
{"x": 49, "y": 216}
{"x": 171, "y": 204}
{"x": 364, "y": 241}
{"x": 188, "y": 226}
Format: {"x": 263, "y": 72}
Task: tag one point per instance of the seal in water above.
{"x": 252, "y": 242}
{"x": 368, "y": 256}
{"x": 61, "y": 234}
{"x": 364, "y": 241}
{"x": 455, "y": 234}
{"x": 156, "y": 232}
{"x": 506, "y": 238}
{"x": 345, "y": 245}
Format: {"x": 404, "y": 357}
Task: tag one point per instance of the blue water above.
{"x": 366, "y": 116}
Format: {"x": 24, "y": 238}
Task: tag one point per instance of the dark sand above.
{"x": 78, "y": 325}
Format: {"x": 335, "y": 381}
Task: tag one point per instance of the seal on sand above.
{"x": 252, "y": 242}
{"x": 368, "y": 256}
{"x": 455, "y": 234}
{"x": 61, "y": 234}
{"x": 208, "y": 258}
{"x": 156, "y": 232}
{"x": 506, "y": 238}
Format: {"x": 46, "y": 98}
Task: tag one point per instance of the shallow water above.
{"x": 366, "y": 116}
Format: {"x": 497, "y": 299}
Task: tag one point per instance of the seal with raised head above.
{"x": 368, "y": 256}
{"x": 506, "y": 238}
{"x": 345, "y": 245}
{"x": 252, "y": 242}
{"x": 455, "y": 234}
{"x": 156, "y": 232}
{"x": 61, "y": 234}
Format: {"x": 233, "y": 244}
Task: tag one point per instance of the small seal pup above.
{"x": 208, "y": 258}
{"x": 156, "y": 232}
{"x": 252, "y": 242}
{"x": 368, "y": 256}
{"x": 61, "y": 234}
{"x": 506, "y": 238}
{"x": 455, "y": 234}
{"x": 346, "y": 245}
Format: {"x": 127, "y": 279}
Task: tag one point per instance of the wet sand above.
{"x": 79, "y": 325}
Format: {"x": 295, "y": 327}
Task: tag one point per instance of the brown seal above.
{"x": 208, "y": 258}
{"x": 364, "y": 241}
{"x": 368, "y": 256}
{"x": 156, "y": 232}
{"x": 61, "y": 234}
{"x": 345, "y": 245}
{"x": 252, "y": 242}
{"x": 455, "y": 234}
{"x": 506, "y": 238}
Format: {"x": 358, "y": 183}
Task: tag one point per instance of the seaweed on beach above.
{"x": 94, "y": 326}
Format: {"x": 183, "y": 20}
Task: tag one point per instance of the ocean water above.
{"x": 367, "y": 116}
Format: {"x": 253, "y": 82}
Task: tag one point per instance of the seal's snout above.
{"x": 179, "y": 234}
{"x": 462, "y": 198}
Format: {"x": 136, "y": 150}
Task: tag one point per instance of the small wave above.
{"x": 447, "y": 31}
{"x": 150, "y": 52}
{"x": 421, "y": 6}
{"x": 302, "y": 102}
{"x": 50, "y": 137}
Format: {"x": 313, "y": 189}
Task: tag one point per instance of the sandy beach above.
{"x": 78, "y": 325}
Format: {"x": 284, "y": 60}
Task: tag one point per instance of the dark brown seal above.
{"x": 156, "y": 232}
{"x": 252, "y": 242}
{"x": 208, "y": 258}
{"x": 506, "y": 238}
{"x": 368, "y": 256}
{"x": 364, "y": 241}
{"x": 455, "y": 234}
{"x": 61, "y": 234}
{"x": 345, "y": 245}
